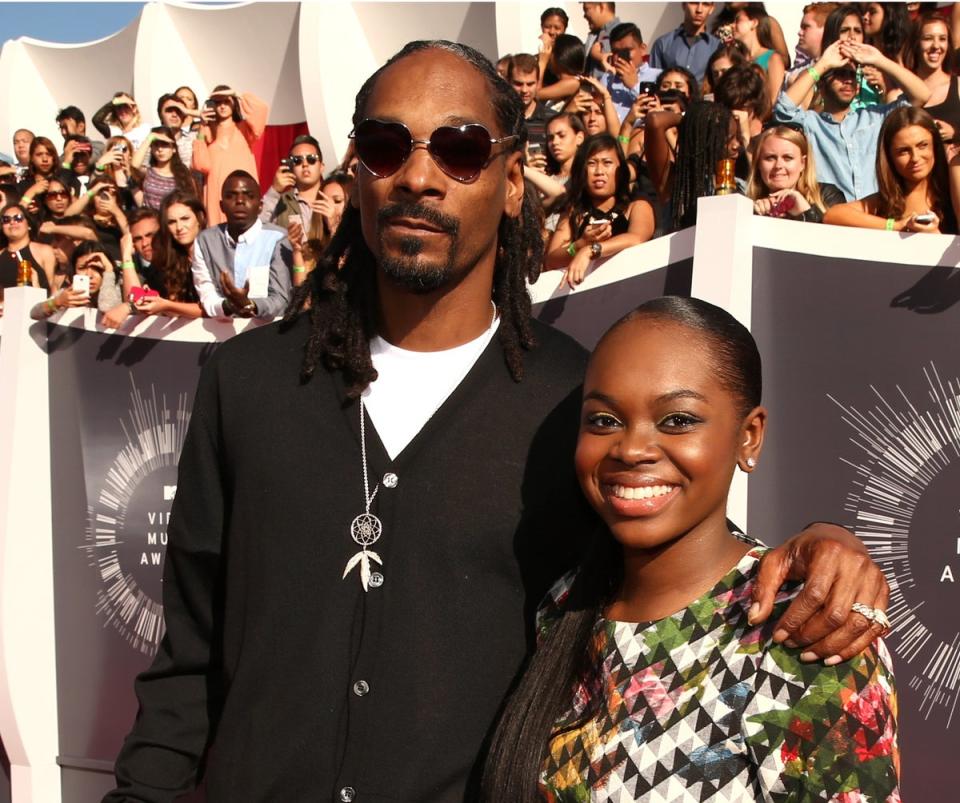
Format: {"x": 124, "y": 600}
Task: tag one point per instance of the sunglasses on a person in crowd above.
{"x": 57, "y": 194}
{"x": 461, "y": 152}
{"x": 161, "y": 143}
{"x": 7, "y": 219}
{"x": 310, "y": 159}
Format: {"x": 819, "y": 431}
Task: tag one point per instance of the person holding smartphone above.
{"x": 600, "y": 220}
{"x": 913, "y": 177}
{"x": 627, "y": 69}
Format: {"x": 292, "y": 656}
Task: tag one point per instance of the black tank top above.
{"x": 10, "y": 266}
{"x": 949, "y": 110}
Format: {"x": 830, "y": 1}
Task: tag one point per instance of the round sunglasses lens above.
{"x": 382, "y": 147}
{"x": 461, "y": 152}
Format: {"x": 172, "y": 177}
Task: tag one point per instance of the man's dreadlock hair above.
{"x": 701, "y": 143}
{"x": 340, "y": 294}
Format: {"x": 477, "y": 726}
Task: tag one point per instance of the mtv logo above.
{"x": 169, "y": 491}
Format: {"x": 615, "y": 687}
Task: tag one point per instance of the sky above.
{"x": 65, "y": 22}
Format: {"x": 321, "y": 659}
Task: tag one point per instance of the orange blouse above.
{"x": 231, "y": 150}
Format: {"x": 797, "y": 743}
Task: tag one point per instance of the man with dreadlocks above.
{"x": 355, "y": 539}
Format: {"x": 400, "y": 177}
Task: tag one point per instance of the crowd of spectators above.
{"x": 856, "y": 126}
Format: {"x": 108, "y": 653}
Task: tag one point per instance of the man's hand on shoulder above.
{"x": 837, "y": 573}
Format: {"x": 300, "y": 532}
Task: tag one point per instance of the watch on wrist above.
{"x": 228, "y": 308}
{"x": 596, "y": 250}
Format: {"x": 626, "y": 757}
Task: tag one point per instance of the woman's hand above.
{"x": 910, "y": 223}
{"x": 546, "y": 43}
{"x": 295, "y": 235}
{"x": 110, "y": 158}
{"x": 577, "y": 269}
{"x": 537, "y": 161}
{"x": 642, "y": 106}
{"x": 47, "y": 227}
{"x": 41, "y": 185}
{"x": 323, "y": 205}
{"x": 68, "y": 297}
{"x": 152, "y": 305}
{"x": 597, "y": 232}
{"x": 798, "y": 206}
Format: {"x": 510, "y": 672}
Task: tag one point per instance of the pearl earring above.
{"x": 751, "y": 462}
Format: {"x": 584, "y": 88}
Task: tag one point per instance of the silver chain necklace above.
{"x": 366, "y": 528}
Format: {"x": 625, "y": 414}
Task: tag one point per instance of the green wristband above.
{"x": 27, "y": 199}
{"x": 300, "y": 269}
{"x": 127, "y": 264}
{"x": 623, "y": 140}
{"x": 890, "y": 222}
{"x": 572, "y": 249}
{"x": 814, "y": 74}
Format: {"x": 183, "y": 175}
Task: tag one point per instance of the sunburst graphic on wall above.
{"x": 127, "y": 520}
{"x": 905, "y": 506}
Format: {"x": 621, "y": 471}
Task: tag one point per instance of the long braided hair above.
{"x": 339, "y": 295}
{"x": 701, "y": 143}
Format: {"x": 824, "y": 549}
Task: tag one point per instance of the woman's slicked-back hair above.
{"x": 569, "y": 54}
{"x": 733, "y": 349}
{"x": 339, "y": 295}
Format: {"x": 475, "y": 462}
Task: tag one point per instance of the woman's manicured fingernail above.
{"x": 791, "y": 644}
{"x": 753, "y": 612}
{"x": 833, "y": 660}
{"x": 808, "y": 656}
{"x": 780, "y": 635}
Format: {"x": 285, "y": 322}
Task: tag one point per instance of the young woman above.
{"x": 165, "y": 172}
{"x": 912, "y": 174}
{"x": 783, "y": 178}
{"x": 55, "y": 200}
{"x": 44, "y": 168}
{"x": 706, "y": 133}
{"x": 230, "y": 128}
{"x": 600, "y": 219}
{"x": 92, "y": 260}
{"x": 566, "y": 64}
{"x": 731, "y": 54}
{"x": 182, "y": 218}
{"x": 649, "y": 681}
{"x": 108, "y": 216}
{"x": 116, "y": 163}
{"x": 120, "y": 117}
{"x": 16, "y": 240}
{"x": 565, "y": 134}
{"x": 751, "y": 26}
{"x": 887, "y": 27}
{"x": 930, "y": 55}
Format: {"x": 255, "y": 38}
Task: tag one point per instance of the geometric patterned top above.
{"x": 703, "y": 706}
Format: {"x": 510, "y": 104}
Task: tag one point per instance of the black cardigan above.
{"x": 266, "y": 643}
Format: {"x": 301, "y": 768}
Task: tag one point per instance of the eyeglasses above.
{"x": 309, "y": 158}
{"x": 460, "y": 152}
{"x": 57, "y": 194}
{"x": 5, "y": 219}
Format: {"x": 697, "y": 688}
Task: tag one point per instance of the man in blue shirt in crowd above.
{"x": 241, "y": 268}
{"x": 688, "y": 46}
{"x": 628, "y": 49}
{"x": 844, "y": 142}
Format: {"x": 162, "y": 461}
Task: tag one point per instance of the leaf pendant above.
{"x": 363, "y": 558}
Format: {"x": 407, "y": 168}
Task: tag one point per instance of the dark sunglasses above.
{"x": 460, "y": 152}
{"x": 310, "y": 159}
{"x": 57, "y": 194}
{"x": 12, "y": 218}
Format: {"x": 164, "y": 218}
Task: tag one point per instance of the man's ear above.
{"x": 513, "y": 200}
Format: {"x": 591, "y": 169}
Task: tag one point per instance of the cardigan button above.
{"x": 376, "y": 580}
{"x": 390, "y": 480}
{"x": 347, "y": 794}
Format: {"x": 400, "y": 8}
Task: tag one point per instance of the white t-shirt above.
{"x": 411, "y": 385}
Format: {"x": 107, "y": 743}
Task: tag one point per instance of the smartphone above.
{"x": 586, "y": 86}
{"x": 81, "y": 283}
{"x": 597, "y": 221}
{"x": 286, "y": 165}
{"x": 140, "y": 293}
{"x": 622, "y": 53}
{"x": 535, "y": 148}
{"x": 925, "y": 218}
{"x": 648, "y": 88}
